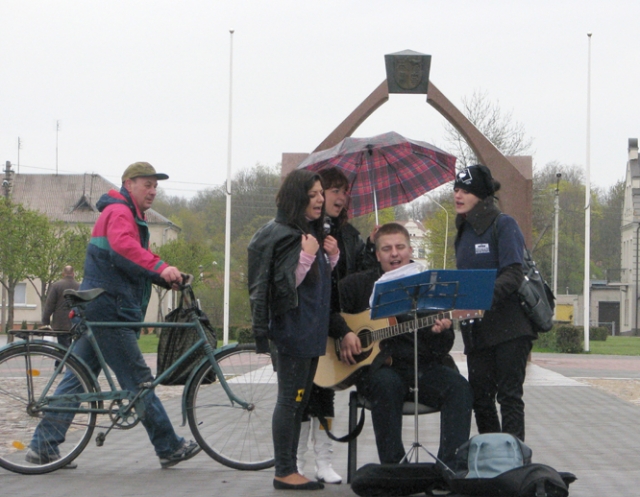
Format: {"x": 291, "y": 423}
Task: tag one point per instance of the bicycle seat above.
{"x": 83, "y": 295}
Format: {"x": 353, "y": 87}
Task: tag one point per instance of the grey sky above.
{"x": 149, "y": 80}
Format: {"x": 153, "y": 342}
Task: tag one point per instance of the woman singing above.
{"x": 290, "y": 263}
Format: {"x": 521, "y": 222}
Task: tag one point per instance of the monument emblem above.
{"x": 407, "y": 72}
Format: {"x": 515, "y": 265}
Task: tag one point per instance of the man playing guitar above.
{"x": 389, "y": 380}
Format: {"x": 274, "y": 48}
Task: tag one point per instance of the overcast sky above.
{"x": 149, "y": 80}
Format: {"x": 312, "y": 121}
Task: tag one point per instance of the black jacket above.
{"x": 506, "y": 319}
{"x": 274, "y": 252}
{"x": 357, "y": 254}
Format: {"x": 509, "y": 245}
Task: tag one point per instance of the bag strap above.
{"x": 187, "y": 295}
{"x": 494, "y": 232}
{"x": 349, "y": 436}
{"x": 540, "y": 489}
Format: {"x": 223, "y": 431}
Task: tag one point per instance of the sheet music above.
{"x": 406, "y": 270}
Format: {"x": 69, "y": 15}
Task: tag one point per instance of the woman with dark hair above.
{"x": 498, "y": 345}
{"x": 355, "y": 255}
{"x": 290, "y": 264}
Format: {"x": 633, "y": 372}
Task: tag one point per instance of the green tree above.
{"x": 22, "y": 230}
{"x": 60, "y": 245}
{"x": 436, "y": 222}
{"x": 606, "y": 233}
{"x": 365, "y": 224}
{"x": 190, "y": 257}
{"x": 203, "y": 219}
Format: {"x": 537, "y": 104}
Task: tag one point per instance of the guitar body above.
{"x": 332, "y": 373}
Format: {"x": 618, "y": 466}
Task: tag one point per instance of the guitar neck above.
{"x": 408, "y": 326}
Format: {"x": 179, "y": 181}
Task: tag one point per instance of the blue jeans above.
{"x": 295, "y": 378}
{"x": 387, "y": 388}
{"x": 122, "y": 355}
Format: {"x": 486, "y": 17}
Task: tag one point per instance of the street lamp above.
{"x": 446, "y": 235}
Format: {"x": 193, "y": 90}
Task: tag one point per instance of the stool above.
{"x": 355, "y": 401}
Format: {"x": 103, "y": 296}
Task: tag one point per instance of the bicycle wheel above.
{"x": 20, "y": 416}
{"x": 236, "y": 437}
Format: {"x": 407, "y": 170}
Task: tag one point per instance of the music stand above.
{"x": 436, "y": 290}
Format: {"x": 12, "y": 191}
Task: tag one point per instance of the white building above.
{"x": 417, "y": 233}
{"x": 630, "y": 253}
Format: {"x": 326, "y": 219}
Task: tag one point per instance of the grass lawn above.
{"x": 616, "y": 346}
{"x": 611, "y": 346}
{"x": 149, "y": 343}
{"x": 619, "y": 345}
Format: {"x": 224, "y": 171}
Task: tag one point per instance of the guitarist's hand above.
{"x": 441, "y": 325}
{"x": 350, "y": 347}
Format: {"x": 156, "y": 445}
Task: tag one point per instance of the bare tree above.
{"x": 497, "y": 126}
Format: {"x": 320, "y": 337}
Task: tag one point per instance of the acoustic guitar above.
{"x": 332, "y": 373}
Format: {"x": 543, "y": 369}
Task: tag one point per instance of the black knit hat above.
{"x": 475, "y": 179}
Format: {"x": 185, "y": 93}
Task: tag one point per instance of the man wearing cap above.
{"x": 120, "y": 262}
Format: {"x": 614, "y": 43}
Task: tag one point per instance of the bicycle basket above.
{"x": 174, "y": 342}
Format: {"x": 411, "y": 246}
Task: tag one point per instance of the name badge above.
{"x": 482, "y": 248}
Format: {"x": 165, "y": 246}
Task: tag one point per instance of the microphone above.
{"x": 327, "y": 225}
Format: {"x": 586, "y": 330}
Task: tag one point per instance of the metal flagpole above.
{"x": 587, "y": 213}
{"x": 556, "y": 213}
{"x": 227, "y": 234}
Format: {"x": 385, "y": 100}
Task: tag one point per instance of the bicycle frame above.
{"x": 115, "y": 393}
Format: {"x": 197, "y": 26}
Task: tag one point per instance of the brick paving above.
{"x": 570, "y": 426}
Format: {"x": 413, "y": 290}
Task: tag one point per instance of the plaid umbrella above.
{"x": 385, "y": 170}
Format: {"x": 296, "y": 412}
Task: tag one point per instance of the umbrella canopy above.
{"x": 385, "y": 170}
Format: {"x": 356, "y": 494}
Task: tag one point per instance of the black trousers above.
{"x": 387, "y": 388}
{"x": 497, "y": 373}
{"x": 321, "y": 403}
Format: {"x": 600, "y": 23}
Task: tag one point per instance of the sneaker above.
{"x": 186, "y": 451}
{"x": 40, "y": 459}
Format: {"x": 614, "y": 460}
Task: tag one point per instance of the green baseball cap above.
{"x": 138, "y": 169}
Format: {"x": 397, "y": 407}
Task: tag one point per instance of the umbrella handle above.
{"x": 375, "y": 205}
{"x": 375, "y": 198}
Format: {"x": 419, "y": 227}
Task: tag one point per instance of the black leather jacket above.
{"x": 357, "y": 254}
{"x": 274, "y": 252}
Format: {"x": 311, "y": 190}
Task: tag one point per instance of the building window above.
{"x": 20, "y": 294}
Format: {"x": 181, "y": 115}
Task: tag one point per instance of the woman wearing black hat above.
{"x": 497, "y": 346}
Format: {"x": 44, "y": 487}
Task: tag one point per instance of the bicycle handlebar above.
{"x": 187, "y": 280}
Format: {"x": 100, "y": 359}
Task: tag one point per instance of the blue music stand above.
{"x": 435, "y": 290}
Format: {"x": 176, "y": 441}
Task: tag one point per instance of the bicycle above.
{"x": 228, "y": 399}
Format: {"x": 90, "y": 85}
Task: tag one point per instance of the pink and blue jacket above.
{"x": 120, "y": 262}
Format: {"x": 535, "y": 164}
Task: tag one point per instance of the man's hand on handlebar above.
{"x": 173, "y": 277}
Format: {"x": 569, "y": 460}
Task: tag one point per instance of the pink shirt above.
{"x": 305, "y": 262}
